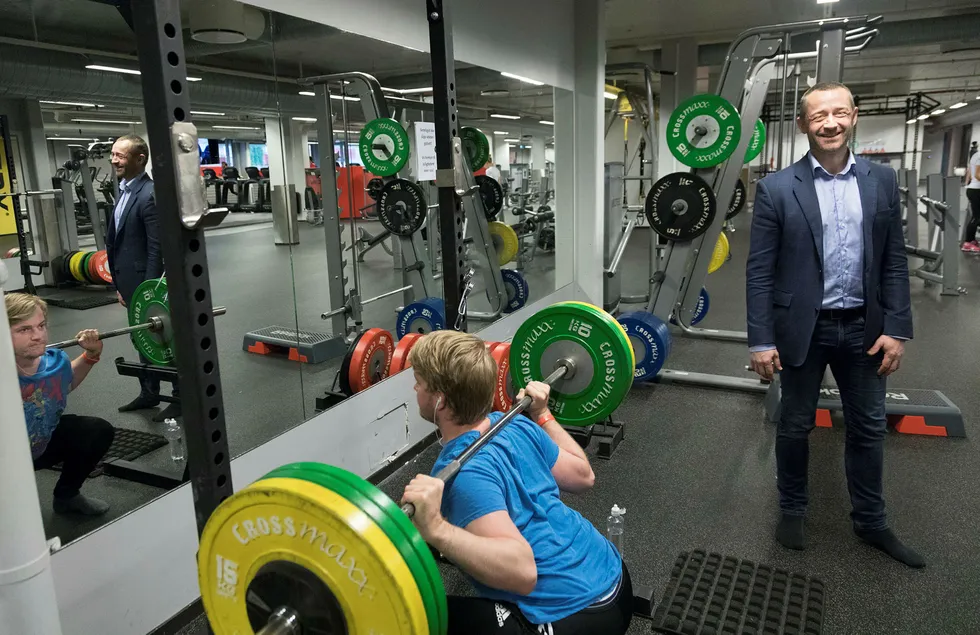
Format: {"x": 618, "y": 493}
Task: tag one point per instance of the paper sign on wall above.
{"x": 424, "y": 151}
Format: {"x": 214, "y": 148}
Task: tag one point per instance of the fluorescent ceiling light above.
{"x": 825, "y": 1}
{"x": 235, "y": 128}
{"x": 207, "y": 113}
{"x": 309, "y": 119}
{"x": 499, "y": 116}
{"x": 80, "y": 104}
{"x": 112, "y": 121}
{"x": 307, "y": 93}
{"x": 911, "y": 121}
{"x": 925, "y": 116}
{"x": 512, "y": 140}
{"x": 546, "y": 123}
{"x": 500, "y": 132}
{"x": 498, "y": 92}
{"x": 526, "y": 80}
{"x": 71, "y": 139}
{"x": 958, "y": 104}
{"x": 127, "y": 71}
{"x": 938, "y": 111}
{"x": 609, "y": 95}
{"x": 408, "y": 91}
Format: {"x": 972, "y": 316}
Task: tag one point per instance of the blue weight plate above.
{"x": 650, "y": 338}
{"x": 517, "y": 289}
{"x": 701, "y": 310}
{"x": 423, "y": 316}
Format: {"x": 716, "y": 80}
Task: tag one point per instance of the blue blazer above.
{"x": 784, "y": 273}
{"x": 134, "y": 247}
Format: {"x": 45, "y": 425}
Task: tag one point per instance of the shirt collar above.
{"x": 125, "y": 184}
{"x": 818, "y": 170}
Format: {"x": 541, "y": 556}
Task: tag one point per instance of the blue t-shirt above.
{"x": 576, "y": 565}
{"x": 45, "y": 394}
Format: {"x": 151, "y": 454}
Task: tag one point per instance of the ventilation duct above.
{"x": 225, "y": 22}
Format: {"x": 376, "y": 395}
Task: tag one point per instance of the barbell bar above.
{"x": 154, "y": 324}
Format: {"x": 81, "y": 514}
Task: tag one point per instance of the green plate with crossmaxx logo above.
{"x": 591, "y": 339}
{"x": 703, "y": 131}
{"x": 384, "y": 146}
{"x": 476, "y": 147}
{"x": 149, "y": 301}
{"x": 757, "y": 142}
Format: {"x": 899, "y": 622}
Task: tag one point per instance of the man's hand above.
{"x": 766, "y": 363}
{"x": 425, "y": 492}
{"x": 538, "y": 391}
{"x": 90, "y": 342}
{"x": 120, "y": 298}
{"x": 894, "y": 349}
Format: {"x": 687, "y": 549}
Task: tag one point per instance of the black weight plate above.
{"x": 492, "y": 195}
{"x": 738, "y": 201}
{"x": 401, "y": 207}
{"x": 680, "y": 206}
{"x": 344, "y": 378}
{"x": 374, "y": 188}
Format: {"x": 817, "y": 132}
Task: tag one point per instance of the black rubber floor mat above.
{"x": 127, "y": 445}
{"x": 79, "y": 299}
{"x": 712, "y": 594}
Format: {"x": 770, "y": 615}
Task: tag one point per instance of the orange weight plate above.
{"x": 503, "y": 391}
{"x": 399, "y": 359}
{"x": 102, "y": 266}
{"x": 370, "y": 359}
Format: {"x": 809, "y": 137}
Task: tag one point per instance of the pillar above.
{"x": 680, "y": 57}
{"x": 501, "y": 152}
{"x": 537, "y": 157}
{"x": 239, "y": 158}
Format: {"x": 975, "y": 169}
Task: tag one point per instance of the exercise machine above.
{"x": 941, "y": 258}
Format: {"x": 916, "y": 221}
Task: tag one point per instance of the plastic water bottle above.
{"x": 615, "y": 526}
{"x": 174, "y": 434}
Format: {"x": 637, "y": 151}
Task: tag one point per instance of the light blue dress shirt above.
{"x": 843, "y": 237}
{"x": 124, "y": 193}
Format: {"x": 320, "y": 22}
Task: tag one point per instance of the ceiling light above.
{"x": 112, "y": 121}
{"x": 938, "y": 111}
{"x": 546, "y": 123}
{"x": 309, "y": 119}
{"x": 512, "y": 140}
{"x": 193, "y": 79}
{"x": 498, "y": 92}
{"x": 499, "y": 116}
{"x": 958, "y": 104}
{"x": 71, "y": 139}
{"x": 911, "y": 121}
{"x": 500, "y": 132}
{"x": 235, "y": 128}
{"x": 825, "y": 1}
{"x": 526, "y": 80}
{"x": 80, "y": 104}
{"x": 925, "y": 116}
{"x": 307, "y": 93}
{"x": 609, "y": 95}
{"x": 206, "y": 113}
{"x": 408, "y": 91}
{"x": 127, "y": 71}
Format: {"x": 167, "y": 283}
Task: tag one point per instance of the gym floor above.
{"x": 696, "y": 470}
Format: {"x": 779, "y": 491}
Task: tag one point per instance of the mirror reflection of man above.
{"x": 133, "y": 246}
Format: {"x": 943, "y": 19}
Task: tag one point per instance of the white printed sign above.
{"x": 424, "y": 151}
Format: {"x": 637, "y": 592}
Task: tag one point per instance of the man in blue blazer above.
{"x": 133, "y": 242}
{"x": 827, "y": 284}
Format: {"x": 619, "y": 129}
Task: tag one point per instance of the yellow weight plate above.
{"x": 720, "y": 254}
{"x": 611, "y": 319}
{"x": 339, "y": 557}
{"x": 75, "y": 263}
{"x": 505, "y": 241}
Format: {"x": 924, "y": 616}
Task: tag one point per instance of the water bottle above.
{"x": 615, "y": 526}
{"x": 174, "y": 434}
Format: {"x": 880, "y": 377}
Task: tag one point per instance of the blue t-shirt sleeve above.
{"x": 63, "y": 365}
{"x": 545, "y": 444}
{"x": 473, "y": 494}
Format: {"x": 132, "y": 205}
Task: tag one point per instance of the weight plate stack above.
{"x": 650, "y": 340}
{"x": 389, "y": 517}
{"x": 737, "y": 203}
{"x": 703, "y": 131}
{"x": 517, "y": 289}
{"x": 680, "y": 206}
{"x": 593, "y": 341}
{"x": 149, "y": 301}
{"x": 401, "y": 207}
{"x": 758, "y": 141}
{"x": 384, "y": 146}
{"x": 492, "y": 196}
{"x": 424, "y": 316}
{"x": 66, "y": 265}
{"x": 370, "y": 359}
{"x": 476, "y": 147}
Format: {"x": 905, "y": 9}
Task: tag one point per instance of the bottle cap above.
{"x": 618, "y": 511}
{"x": 170, "y": 422}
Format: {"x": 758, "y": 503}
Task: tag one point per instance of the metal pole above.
{"x": 153, "y": 324}
{"x": 796, "y": 112}
{"x": 350, "y": 191}
{"x": 905, "y": 136}
{"x": 782, "y": 100}
{"x": 177, "y": 189}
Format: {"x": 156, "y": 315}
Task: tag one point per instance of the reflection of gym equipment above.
{"x": 942, "y": 264}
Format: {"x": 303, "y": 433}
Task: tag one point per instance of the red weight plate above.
{"x": 502, "y": 399}
{"x": 399, "y": 360}
{"x": 371, "y": 358}
{"x": 491, "y": 346}
{"x": 102, "y": 266}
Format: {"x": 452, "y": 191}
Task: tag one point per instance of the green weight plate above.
{"x": 602, "y": 315}
{"x": 757, "y": 142}
{"x": 703, "y": 131}
{"x": 384, "y": 146}
{"x": 602, "y": 356}
{"x": 476, "y": 147}
{"x": 150, "y": 300}
{"x": 329, "y": 478}
{"x": 84, "y": 267}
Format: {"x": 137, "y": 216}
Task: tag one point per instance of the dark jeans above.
{"x": 479, "y": 616}
{"x": 839, "y": 343}
{"x": 79, "y": 443}
{"x": 150, "y": 388}
{"x": 971, "y": 227}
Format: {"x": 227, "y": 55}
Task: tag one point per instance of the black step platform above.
{"x": 308, "y": 347}
{"x": 712, "y": 594}
{"x": 909, "y": 410}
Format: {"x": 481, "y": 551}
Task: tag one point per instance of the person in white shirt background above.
{"x": 970, "y": 244}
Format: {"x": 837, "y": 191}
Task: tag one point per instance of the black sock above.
{"x": 789, "y": 532}
{"x": 888, "y": 542}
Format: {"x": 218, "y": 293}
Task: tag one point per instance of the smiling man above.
{"x": 827, "y": 284}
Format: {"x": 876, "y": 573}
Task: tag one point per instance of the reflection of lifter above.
{"x": 46, "y": 378}
{"x": 133, "y": 246}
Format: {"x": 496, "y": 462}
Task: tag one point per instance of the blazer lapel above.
{"x": 806, "y": 196}
{"x": 134, "y": 190}
{"x": 868, "y": 186}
